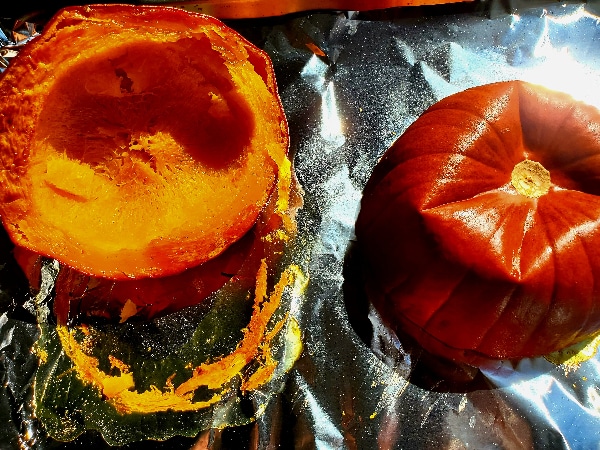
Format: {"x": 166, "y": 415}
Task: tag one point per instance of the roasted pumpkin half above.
{"x": 137, "y": 141}
{"x": 144, "y": 148}
{"x": 480, "y": 226}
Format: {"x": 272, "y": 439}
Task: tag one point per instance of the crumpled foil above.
{"x": 351, "y": 83}
{"x": 14, "y": 37}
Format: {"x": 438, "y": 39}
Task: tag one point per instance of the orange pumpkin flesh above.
{"x": 480, "y": 225}
{"x": 80, "y": 298}
{"x": 137, "y": 141}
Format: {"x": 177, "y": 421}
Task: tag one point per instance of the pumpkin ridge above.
{"x": 552, "y": 299}
{"x": 484, "y": 163}
{"x": 469, "y": 355}
{"x": 573, "y": 171}
{"x": 465, "y": 278}
{"x": 472, "y": 157}
{"x": 426, "y": 209}
{"x": 391, "y": 290}
{"x": 480, "y": 119}
{"x": 583, "y": 242}
{"x": 425, "y": 326}
{"x": 580, "y": 160}
{"x": 555, "y": 131}
{"x": 523, "y": 93}
{"x": 505, "y": 306}
{"x": 400, "y": 167}
{"x": 585, "y": 251}
{"x": 382, "y": 207}
{"x": 548, "y": 240}
{"x": 498, "y": 322}
{"x": 591, "y": 303}
{"x": 516, "y": 278}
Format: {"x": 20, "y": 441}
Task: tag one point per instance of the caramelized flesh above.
{"x": 145, "y": 152}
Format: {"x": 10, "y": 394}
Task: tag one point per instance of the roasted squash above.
{"x": 137, "y": 141}
{"x": 480, "y": 226}
{"x": 144, "y": 149}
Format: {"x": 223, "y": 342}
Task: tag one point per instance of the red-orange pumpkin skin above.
{"x": 80, "y": 297}
{"x": 457, "y": 257}
{"x": 137, "y": 141}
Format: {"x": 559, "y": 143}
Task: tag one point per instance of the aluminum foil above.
{"x": 351, "y": 83}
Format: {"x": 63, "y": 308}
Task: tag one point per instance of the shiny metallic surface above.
{"x": 358, "y": 386}
{"x": 351, "y": 83}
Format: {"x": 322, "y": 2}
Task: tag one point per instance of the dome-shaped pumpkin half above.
{"x": 137, "y": 141}
{"x": 481, "y": 225}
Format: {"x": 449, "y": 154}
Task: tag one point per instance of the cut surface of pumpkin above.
{"x": 137, "y": 142}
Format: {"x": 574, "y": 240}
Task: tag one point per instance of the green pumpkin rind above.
{"x": 67, "y": 407}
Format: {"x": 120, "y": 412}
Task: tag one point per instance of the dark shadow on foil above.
{"x": 14, "y": 287}
{"x": 424, "y": 370}
{"x": 157, "y": 338}
{"x": 251, "y": 436}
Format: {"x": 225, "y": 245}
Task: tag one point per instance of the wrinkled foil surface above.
{"x": 351, "y": 83}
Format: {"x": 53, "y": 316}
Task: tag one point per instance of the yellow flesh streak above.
{"x": 572, "y": 357}
{"x": 257, "y": 340}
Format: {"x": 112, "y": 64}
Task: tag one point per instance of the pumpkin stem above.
{"x": 530, "y": 179}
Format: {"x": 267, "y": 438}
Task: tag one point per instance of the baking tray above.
{"x": 351, "y": 82}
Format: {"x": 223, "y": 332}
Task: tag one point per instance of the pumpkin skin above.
{"x": 148, "y": 148}
{"x": 80, "y": 297}
{"x": 457, "y": 257}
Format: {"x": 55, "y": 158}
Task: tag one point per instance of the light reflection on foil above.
{"x": 338, "y": 219}
{"x": 344, "y": 111}
{"x": 327, "y": 435}
{"x": 515, "y": 18}
{"x": 555, "y": 65}
{"x": 314, "y": 71}
{"x": 331, "y": 124}
{"x": 538, "y": 386}
{"x": 559, "y": 66}
{"x": 573, "y": 17}
{"x": 594, "y": 398}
